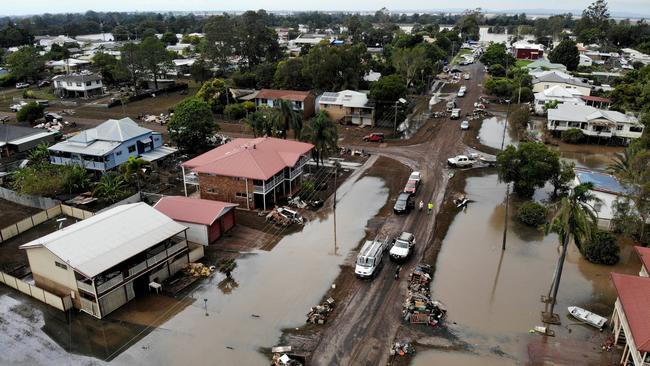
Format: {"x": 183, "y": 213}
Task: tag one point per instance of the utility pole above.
{"x": 395, "y": 119}
{"x": 505, "y": 221}
{"x": 336, "y": 174}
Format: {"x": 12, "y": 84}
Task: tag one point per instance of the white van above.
{"x": 370, "y": 258}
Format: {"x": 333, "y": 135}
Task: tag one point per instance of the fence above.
{"x": 26, "y": 200}
{"x": 28, "y": 223}
{"x": 131, "y": 199}
{"x": 61, "y": 303}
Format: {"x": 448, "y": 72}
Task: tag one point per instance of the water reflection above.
{"x": 491, "y": 133}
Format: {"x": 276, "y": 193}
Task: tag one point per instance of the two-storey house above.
{"x": 348, "y": 106}
{"x": 302, "y": 101}
{"x": 77, "y": 85}
{"x": 594, "y": 122}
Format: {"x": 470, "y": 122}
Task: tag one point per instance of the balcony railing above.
{"x": 267, "y": 187}
{"x": 192, "y": 179}
{"x": 88, "y": 164}
{"x": 86, "y": 287}
{"x": 176, "y": 248}
{"x": 89, "y": 306}
{"x": 110, "y": 283}
{"x": 157, "y": 258}
{"x": 295, "y": 172}
{"x": 137, "y": 268}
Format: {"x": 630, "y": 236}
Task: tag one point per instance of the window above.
{"x": 636, "y": 129}
{"x": 598, "y": 206}
{"x": 619, "y": 127}
{"x": 60, "y": 265}
{"x": 240, "y": 194}
{"x": 69, "y": 83}
{"x": 546, "y": 86}
{"x": 88, "y": 83}
{"x": 209, "y": 190}
{"x": 131, "y": 148}
{"x": 118, "y": 153}
{"x": 78, "y": 84}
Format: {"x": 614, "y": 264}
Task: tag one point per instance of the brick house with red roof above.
{"x": 303, "y": 101}
{"x": 252, "y": 172}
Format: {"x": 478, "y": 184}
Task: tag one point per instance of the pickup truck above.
{"x": 455, "y": 113}
{"x": 461, "y": 161}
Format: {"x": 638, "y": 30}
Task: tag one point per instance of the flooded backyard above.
{"x": 494, "y": 296}
{"x": 491, "y": 133}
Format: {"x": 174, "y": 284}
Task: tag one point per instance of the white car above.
{"x": 415, "y": 176}
{"x": 402, "y": 248}
{"x": 464, "y": 125}
{"x": 18, "y": 106}
{"x": 466, "y": 76}
{"x": 461, "y": 161}
{"x": 22, "y": 85}
{"x": 461, "y": 93}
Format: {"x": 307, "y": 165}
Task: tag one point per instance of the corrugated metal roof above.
{"x": 158, "y": 153}
{"x": 644, "y": 254}
{"x": 585, "y": 113}
{"x": 100, "y": 242}
{"x": 194, "y": 210}
{"x": 634, "y": 295}
{"x": 97, "y": 148}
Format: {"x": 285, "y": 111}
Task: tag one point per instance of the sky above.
{"x": 632, "y": 8}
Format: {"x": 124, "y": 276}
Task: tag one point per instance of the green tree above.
{"x": 632, "y": 168}
{"x": 200, "y": 71}
{"x": 111, "y": 69}
{"x": 111, "y": 187}
{"x": 132, "y": 60}
{"x": 566, "y": 53}
{"x": 497, "y": 70}
{"x": 497, "y": 53}
{"x": 322, "y": 133}
{"x": 289, "y": 75}
{"x": 602, "y": 248}
{"x": 289, "y": 119}
{"x": 256, "y": 43}
{"x": 220, "y": 40}
{"x": 227, "y": 266}
{"x": 500, "y": 87}
{"x": 76, "y": 179}
{"x": 57, "y": 52}
{"x": 336, "y": 68}
{"x": 529, "y": 166}
{"x": 594, "y": 24}
{"x": 572, "y": 136}
{"x": 263, "y": 122}
{"x": 169, "y": 38}
{"x": 26, "y": 63}
{"x": 121, "y": 33}
{"x": 30, "y": 112}
{"x": 133, "y": 169}
{"x": 192, "y": 125}
{"x": 562, "y": 178}
{"x": 214, "y": 92}
{"x": 40, "y": 154}
{"x": 532, "y": 213}
{"x": 388, "y": 89}
{"x": 154, "y": 57}
{"x": 409, "y": 62}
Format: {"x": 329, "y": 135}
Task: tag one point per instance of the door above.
{"x": 214, "y": 231}
{"x": 228, "y": 220}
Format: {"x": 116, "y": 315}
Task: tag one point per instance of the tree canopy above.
{"x": 529, "y": 166}
{"x": 192, "y": 125}
{"x": 566, "y": 53}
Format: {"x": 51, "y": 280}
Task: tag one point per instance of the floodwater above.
{"x": 485, "y": 36}
{"x": 273, "y": 290}
{"x": 491, "y": 133}
{"x": 595, "y": 157}
{"x": 493, "y": 296}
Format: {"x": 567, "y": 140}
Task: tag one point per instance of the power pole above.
{"x": 395, "y": 119}
{"x": 505, "y": 221}
{"x": 336, "y": 174}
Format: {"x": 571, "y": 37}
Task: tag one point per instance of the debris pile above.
{"x": 198, "y": 270}
{"x": 402, "y": 349}
{"x": 282, "y": 357}
{"x": 318, "y": 314}
{"x": 418, "y": 307}
{"x": 50, "y": 126}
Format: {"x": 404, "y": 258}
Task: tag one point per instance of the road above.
{"x": 368, "y": 320}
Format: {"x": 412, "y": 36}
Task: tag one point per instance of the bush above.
{"x": 602, "y": 248}
{"x": 572, "y": 136}
{"x": 500, "y": 87}
{"x": 497, "y": 70}
{"x": 28, "y": 94}
{"x": 307, "y": 188}
{"x": 235, "y": 111}
{"x": 532, "y": 213}
{"x": 30, "y": 112}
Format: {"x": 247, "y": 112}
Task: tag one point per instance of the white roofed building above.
{"x": 594, "y": 122}
{"x": 348, "y": 106}
{"x": 106, "y": 260}
{"x": 557, "y": 94}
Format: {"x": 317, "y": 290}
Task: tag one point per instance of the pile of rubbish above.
{"x": 402, "y": 349}
{"x": 282, "y": 357}
{"x": 50, "y": 126}
{"x": 284, "y": 216}
{"x": 199, "y": 270}
{"x": 318, "y": 314}
{"x": 299, "y": 203}
{"x": 418, "y": 307}
{"x": 152, "y": 118}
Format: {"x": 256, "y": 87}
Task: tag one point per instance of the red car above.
{"x": 374, "y": 137}
{"x": 411, "y": 186}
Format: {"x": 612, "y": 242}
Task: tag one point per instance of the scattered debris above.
{"x": 198, "y": 270}
{"x": 284, "y": 216}
{"x": 281, "y": 357}
{"x": 418, "y": 307}
{"x": 318, "y": 314}
{"x": 402, "y": 349}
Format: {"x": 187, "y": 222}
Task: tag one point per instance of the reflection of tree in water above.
{"x": 227, "y": 285}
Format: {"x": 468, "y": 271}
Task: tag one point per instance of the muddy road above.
{"x": 368, "y": 320}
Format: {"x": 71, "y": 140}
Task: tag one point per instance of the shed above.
{"x": 206, "y": 220}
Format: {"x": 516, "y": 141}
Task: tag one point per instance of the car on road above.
{"x": 22, "y": 85}
{"x": 455, "y": 113}
{"x": 466, "y": 76}
{"x": 43, "y": 83}
{"x": 464, "y": 125}
{"x": 402, "y": 247}
{"x": 416, "y": 175}
{"x": 461, "y": 93}
{"x": 374, "y": 137}
{"x": 370, "y": 258}
{"x": 460, "y": 161}
{"x": 411, "y": 187}
{"x": 404, "y": 203}
{"x": 18, "y": 106}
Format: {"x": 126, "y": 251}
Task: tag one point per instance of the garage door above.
{"x": 214, "y": 231}
{"x": 228, "y": 220}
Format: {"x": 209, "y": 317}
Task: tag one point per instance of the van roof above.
{"x": 370, "y": 248}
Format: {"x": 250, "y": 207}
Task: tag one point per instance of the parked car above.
{"x": 404, "y": 203}
{"x": 290, "y": 214}
{"x": 402, "y": 247}
{"x": 461, "y": 93}
{"x": 374, "y": 137}
{"x": 370, "y": 258}
{"x": 416, "y": 175}
{"x": 455, "y": 113}
{"x": 464, "y": 125}
{"x": 411, "y": 187}
{"x": 22, "y": 85}
{"x": 18, "y": 106}
{"x": 43, "y": 83}
{"x": 466, "y": 76}
{"x": 460, "y": 161}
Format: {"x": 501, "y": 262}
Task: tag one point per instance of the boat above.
{"x": 588, "y": 317}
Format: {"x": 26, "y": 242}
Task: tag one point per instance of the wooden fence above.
{"x": 61, "y": 303}
{"x": 28, "y": 223}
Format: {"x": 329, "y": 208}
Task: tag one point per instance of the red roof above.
{"x": 644, "y": 254}
{"x": 194, "y": 210}
{"x": 274, "y": 94}
{"x": 592, "y": 98}
{"x": 259, "y": 158}
{"x": 634, "y": 295}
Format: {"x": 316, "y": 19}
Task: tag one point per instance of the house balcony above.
{"x": 268, "y": 186}
{"x": 88, "y": 287}
{"x": 89, "y": 307}
{"x": 110, "y": 283}
{"x": 191, "y": 178}
{"x": 88, "y": 164}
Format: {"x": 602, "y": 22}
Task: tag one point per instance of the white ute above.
{"x": 402, "y": 247}
{"x": 460, "y": 161}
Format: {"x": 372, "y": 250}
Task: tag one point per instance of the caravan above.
{"x": 370, "y": 258}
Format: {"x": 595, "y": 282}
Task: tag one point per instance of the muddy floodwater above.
{"x": 273, "y": 290}
{"x": 491, "y": 133}
{"x": 493, "y": 296}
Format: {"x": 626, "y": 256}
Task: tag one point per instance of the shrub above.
{"x": 307, "y": 188}
{"x": 235, "y": 111}
{"x": 602, "y": 248}
{"x": 532, "y": 213}
{"x": 29, "y": 94}
{"x": 30, "y": 112}
{"x": 572, "y": 136}
{"x": 497, "y": 70}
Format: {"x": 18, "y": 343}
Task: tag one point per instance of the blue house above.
{"x": 109, "y": 145}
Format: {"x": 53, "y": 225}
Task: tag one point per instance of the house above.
{"x": 548, "y": 79}
{"x": 597, "y": 102}
{"x": 109, "y": 145}
{"x": 631, "y": 318}
{"x": 206, "y": 220}
{"x": 17, "y": 138}
{"x": 253, "y": 172}
{"x": 607, "y": 189}
{"x": 543, "y": 64}
{"x": 77, "y": 85}
{"x": 348, "y": 106}
{"x": 585, "y": 61}
{"x": 594, "y": 122}
{"x": 557, "y": 94}
{"x": 633, "y": 56}
{"x": 106, "y": 260}
{"x": 302, "y": 100}
{"x": 48, "y": 41}
{"x": 527, "y": 51}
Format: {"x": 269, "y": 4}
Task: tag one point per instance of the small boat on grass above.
{"x": 588, "y": 317}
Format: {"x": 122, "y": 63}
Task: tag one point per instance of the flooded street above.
{"x": 494, "y": 297}
{"x": 491, "y": 133}
{"x": 273, "y": 290}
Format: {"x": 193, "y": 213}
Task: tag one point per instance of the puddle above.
{"x": 491, "y": 133}
{"x": 494, "y": 296}
{"x": 272, "y": 290}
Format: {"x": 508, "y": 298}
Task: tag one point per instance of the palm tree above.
{"x": 112, "y": 187}
{"x": 133, "y": 168}
{"x": 263, "y": 122}
{"x": 632, "y": 168}
{"x": 289, "y": 119}
{"x": 322, "y": 133}
{"x": 574, "y": 219}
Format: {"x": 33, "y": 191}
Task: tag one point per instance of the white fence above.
{"x": 26, "y": 200}
{"x": 61, "y": 303}
{"x": 23, "y": 225}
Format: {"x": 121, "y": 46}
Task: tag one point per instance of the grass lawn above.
{"x": 460, "y": 54}
{"x": 522, "y": 63}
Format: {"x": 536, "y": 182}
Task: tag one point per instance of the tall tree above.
{"x": 567, "y": 54}
{"x": 26, "y": 63}
{"x": 220, "y": 40}
{"x": 594, "y": 23}
{"x": 289, "y": 119}
{"x": 409, "y": 62}
{"x": 169, "y": 38}
{"x": 322, "y": 133}
{"x": 155, "y": 57}
{"x": 256, "y": 42}
{"x": 529, "y": 166}
{"x": 131, "y": 59}
{"x": 192, "y": 125}
{"x": 214, "y": 92}
{"x": 632, "y": 168}
{"x": 289, "y": 75}
{"x": 336, "y": 68}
